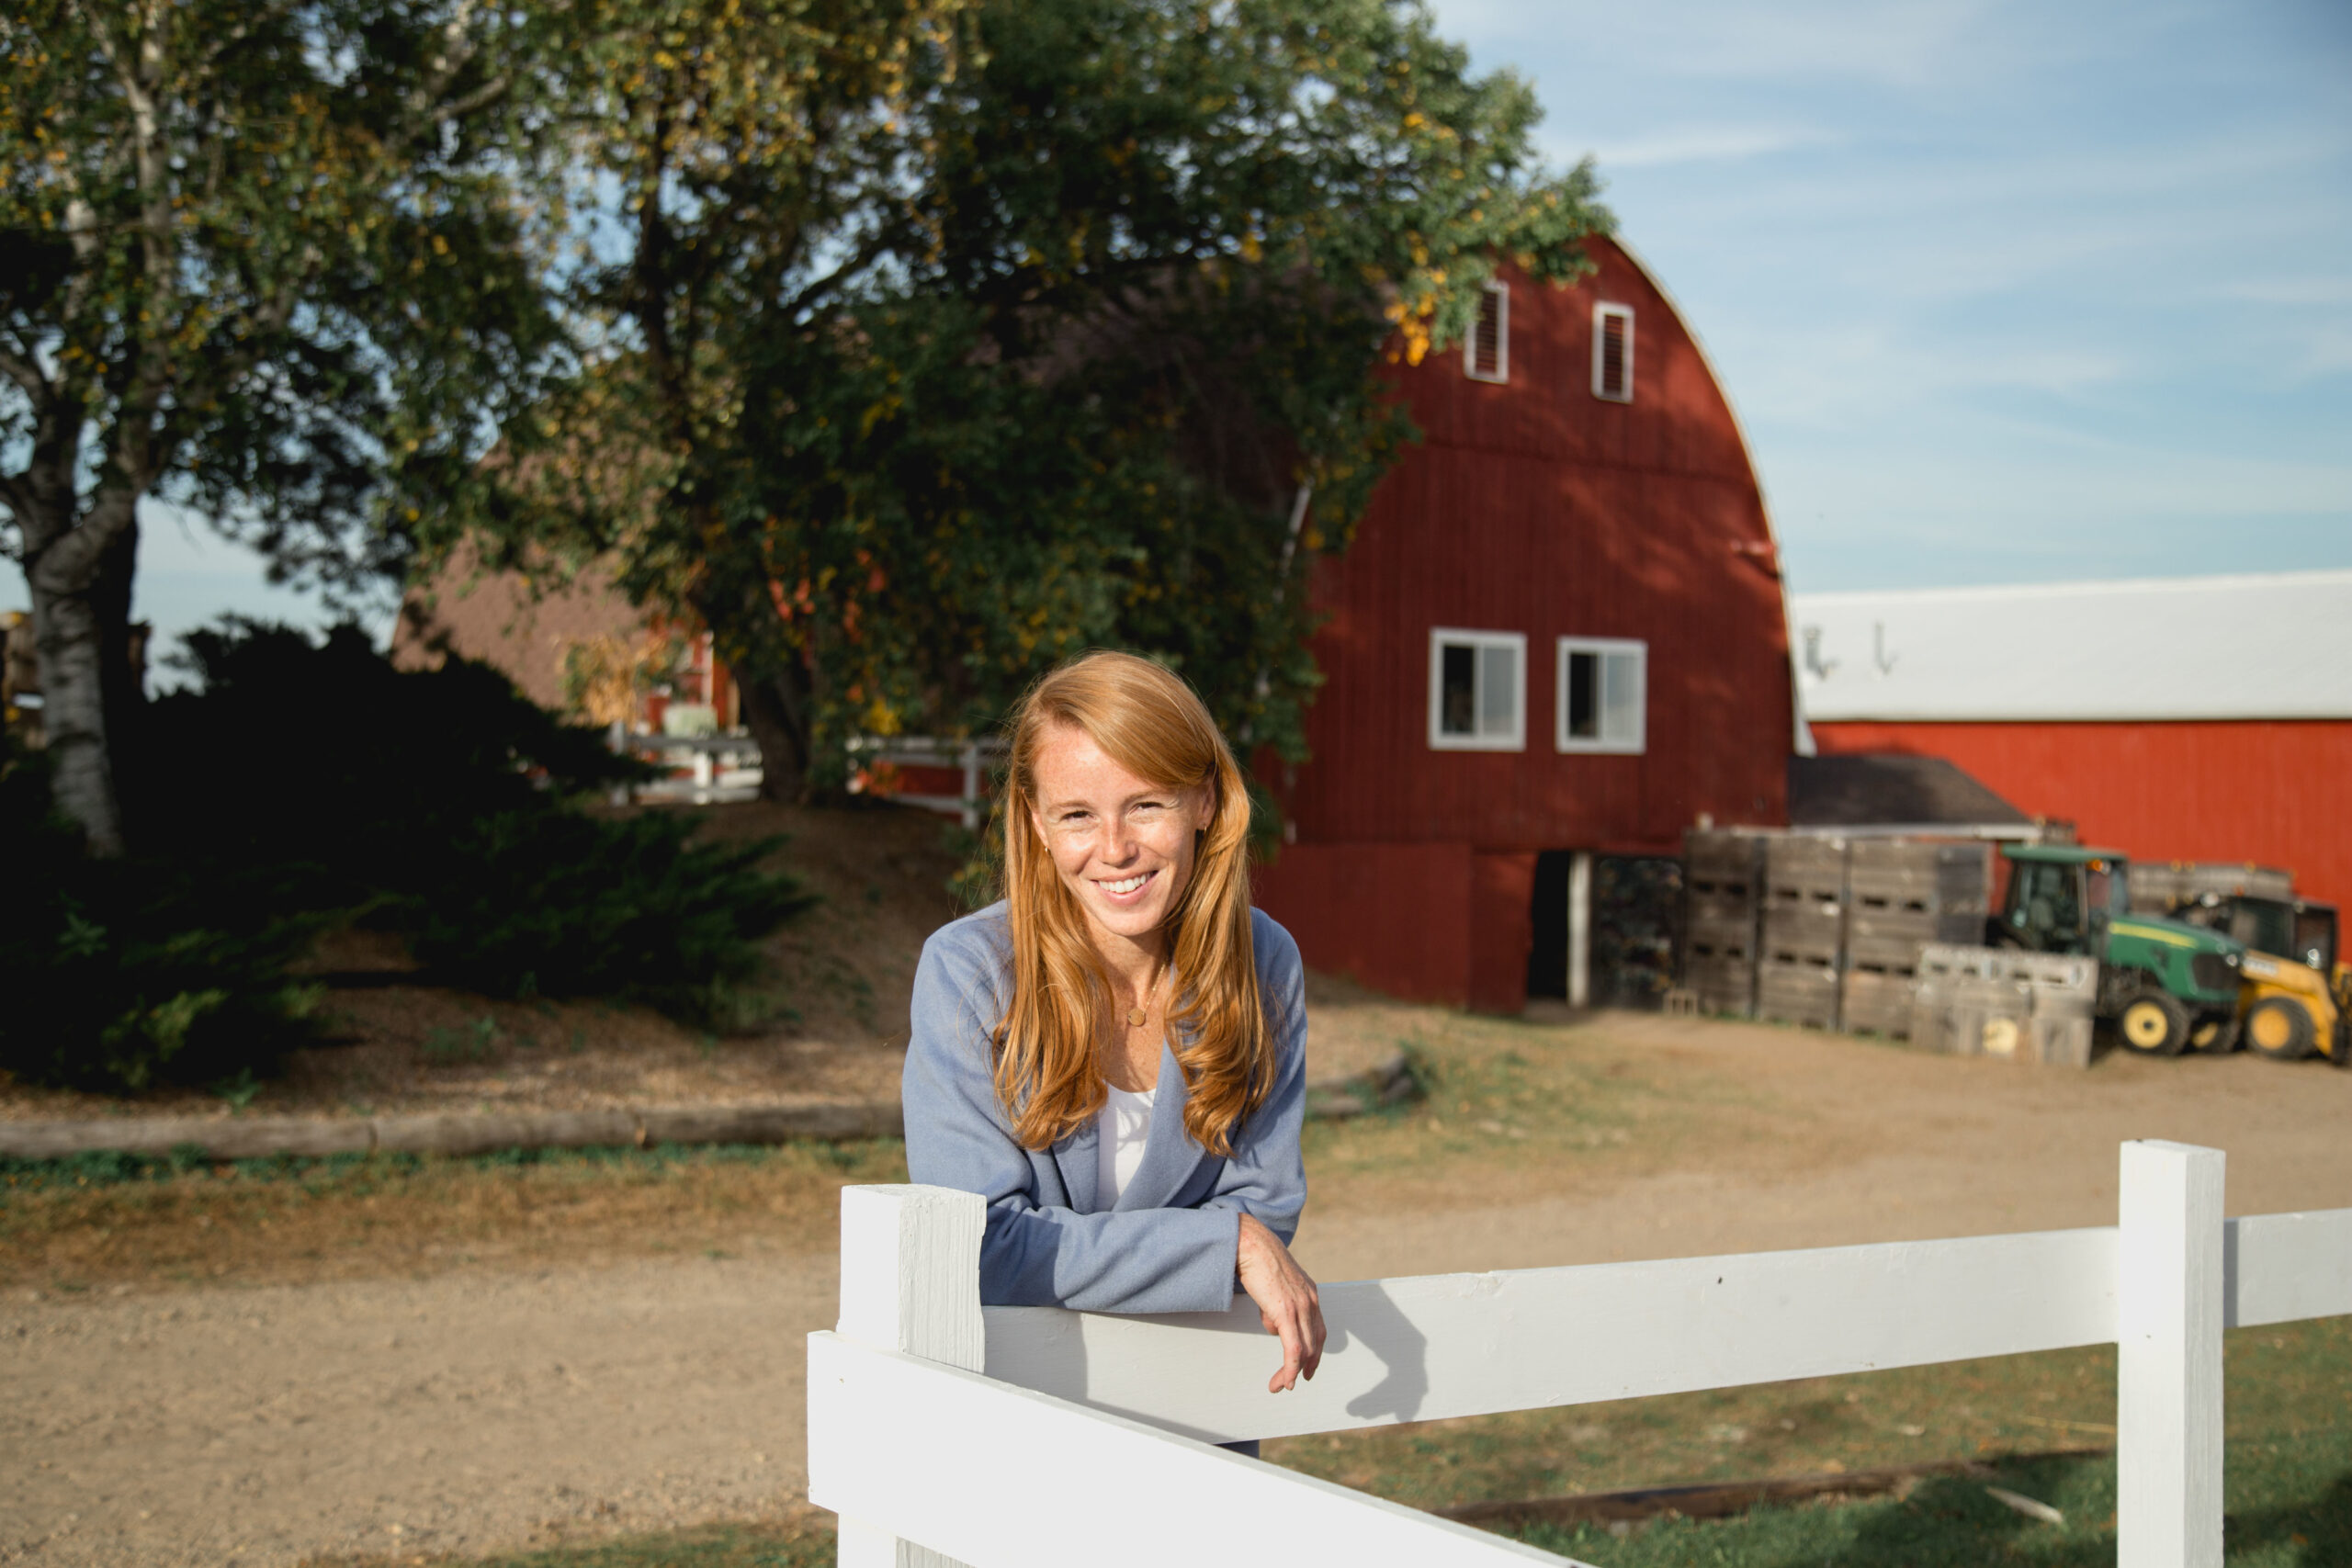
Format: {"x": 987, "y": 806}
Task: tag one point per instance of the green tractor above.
{"x": 2166, "y": 985}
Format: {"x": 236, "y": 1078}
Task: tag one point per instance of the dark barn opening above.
{"x": 1634, "y": 919}
{"x": 1547, "y": 959}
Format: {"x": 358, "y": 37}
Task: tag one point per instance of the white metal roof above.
{"x": 2272, "y": 645}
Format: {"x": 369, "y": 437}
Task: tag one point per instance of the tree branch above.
{"x": 24, "y": 373}
{"x": 18, "y": 500}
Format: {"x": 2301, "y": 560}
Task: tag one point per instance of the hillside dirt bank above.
{"x": 466, "y": 1402}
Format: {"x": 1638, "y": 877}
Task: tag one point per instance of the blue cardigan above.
{"x": 1169, "y": 1244}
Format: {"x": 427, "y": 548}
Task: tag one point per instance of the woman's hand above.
{"x": 1286, "y": 1300}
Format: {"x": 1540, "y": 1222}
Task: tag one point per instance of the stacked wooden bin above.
{"x": 1723, "y": 892}
{"x": 1984, "y": 1001}
{"x": 1902, "y": 895}
{"x": 1813, "y": 929}
{"x": 1805, "y": 929}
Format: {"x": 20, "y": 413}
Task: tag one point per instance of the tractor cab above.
{"x": 2167, "y": 984}
{"x": 2297, "y": 991}
{"x": 2299, "y": 928}
{"x": 2063, "y": 899}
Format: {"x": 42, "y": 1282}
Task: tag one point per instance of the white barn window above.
{"x": 1612, "y": 353}
{"x": 1477, "y": 691}
{"x": 1603, "y": 695}
{"x": 1485, "y": 354}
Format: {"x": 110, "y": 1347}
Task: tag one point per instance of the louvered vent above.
{"x": 1487, "y": 356}
{"x": 1612, "y": 353}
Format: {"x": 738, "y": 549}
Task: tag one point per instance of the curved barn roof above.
{"x": 2272, "y": 645}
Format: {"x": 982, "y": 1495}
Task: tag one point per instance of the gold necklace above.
{"x": 1135, "y": 1015}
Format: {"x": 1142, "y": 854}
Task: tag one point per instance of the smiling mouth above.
{"x": 1128, "y": 885}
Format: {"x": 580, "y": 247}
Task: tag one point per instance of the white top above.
{"x": 2276, "y": 645}
{"x": 1123, "y": 1123}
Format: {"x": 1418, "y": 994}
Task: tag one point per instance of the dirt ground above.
{"x": 532, "y": 1386}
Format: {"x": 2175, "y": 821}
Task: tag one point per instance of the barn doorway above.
{"x": 1604, "y": 929}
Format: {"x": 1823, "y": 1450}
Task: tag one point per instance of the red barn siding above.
{"x": 1394, "y": 915}
{"x": 2278, "y": 792}
{"x": 1534, "y": 507}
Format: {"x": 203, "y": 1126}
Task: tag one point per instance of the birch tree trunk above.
{"x": 64, "y": 562}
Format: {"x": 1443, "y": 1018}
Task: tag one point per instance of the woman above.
{"x": 1115, "y": 1055}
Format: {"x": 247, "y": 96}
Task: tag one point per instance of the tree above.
{"x": 730, "y": 163}
{"x": 1046, "y": 340}
{"x": 262, "y": 259}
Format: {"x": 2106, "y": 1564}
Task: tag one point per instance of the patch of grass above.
{"x": 1505, "y": 1104}
{"x": 1961, "y": 1411}
{"x": 798, "y": 1545}
{"x": 181, "y": 1218}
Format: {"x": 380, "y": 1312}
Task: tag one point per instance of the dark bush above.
{"x": 560, "y": 904}
{"x": 304, "y": 785}
{"x": 124, "y": 974}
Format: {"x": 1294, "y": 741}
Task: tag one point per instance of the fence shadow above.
{"x": 1403, "y": 1350}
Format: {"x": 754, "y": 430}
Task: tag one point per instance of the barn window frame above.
{"x": 1627, "y": 737}
{"x": 1603, "y": 312}
{"x": 1496, "y": 294}
{"x": 1483, "y": 736}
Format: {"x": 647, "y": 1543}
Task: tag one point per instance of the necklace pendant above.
{"x": 1135, "y": 1017}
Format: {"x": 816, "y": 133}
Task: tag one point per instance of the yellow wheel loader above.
{"x": 2295, "y": 993}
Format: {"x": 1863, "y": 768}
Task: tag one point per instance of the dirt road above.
{"x": 255, "y": 1426}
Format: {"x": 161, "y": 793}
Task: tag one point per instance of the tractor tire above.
{"x": 2280, "y": 1028}
{"x": 2214, "y": 1036}
{"x": 2153, "y": 1024}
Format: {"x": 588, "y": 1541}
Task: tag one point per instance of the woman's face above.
{"x": 1121, "y": 844}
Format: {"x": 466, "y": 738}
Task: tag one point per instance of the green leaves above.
{"x": 938, "y": 343}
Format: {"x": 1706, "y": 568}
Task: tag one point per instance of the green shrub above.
{"x": 126, "y": 973}
{"x": 304, "y": 785}
{"x": 554, "y": 903}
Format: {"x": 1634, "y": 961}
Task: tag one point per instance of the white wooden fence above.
{"x": 1031, "y": 1436}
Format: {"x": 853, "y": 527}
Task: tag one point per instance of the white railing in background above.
{"x": 973, "y": 756}
{"x": 1031, "y": 1436}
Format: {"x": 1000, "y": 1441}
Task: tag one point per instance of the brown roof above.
{"x": 1887, "y": 788}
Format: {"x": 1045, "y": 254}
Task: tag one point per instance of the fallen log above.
{"x": 245, "y": 1137}
{"x": 480, "y": 1133}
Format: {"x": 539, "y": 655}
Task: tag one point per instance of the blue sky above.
{"x": 2004, "y": 292}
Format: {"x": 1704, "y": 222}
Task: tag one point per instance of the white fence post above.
{"x": 910, "y": 1282}
{"x": 2169, "y": 1357}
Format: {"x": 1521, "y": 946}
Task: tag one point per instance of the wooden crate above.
{"x": 1722, "y": 863}
{"x": 1882, "y": 954}
{"x": 1723, "y": 985}
{"x": 1951, "y": 960}
{"x": 1701, "y": 907}
{"x": 1797, "y": 993}
{"x": 1803, "y": 930}
{"x": 1721, "y": 939}
{"x": 1877, "y": 1003}
{"x": 1805, "y": 867}
{"x": 1992, "y": 1017}
{"x": 2061, "y": 1040}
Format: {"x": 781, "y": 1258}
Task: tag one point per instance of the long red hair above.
{"x": 1048, "y": 1044}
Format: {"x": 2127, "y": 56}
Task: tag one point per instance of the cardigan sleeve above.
{"x": 1036, "y": 1253}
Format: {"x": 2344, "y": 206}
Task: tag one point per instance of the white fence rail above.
{"x": 934, "y": 1420}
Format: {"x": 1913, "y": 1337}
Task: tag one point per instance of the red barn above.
{"x": 2186, "y": 718}
{"x": 1558, "y": 634}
